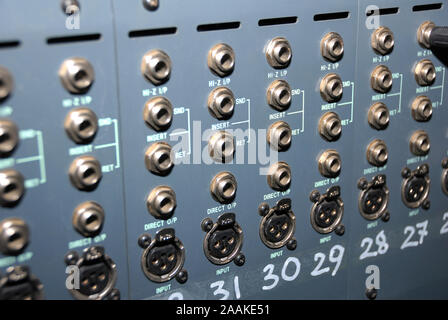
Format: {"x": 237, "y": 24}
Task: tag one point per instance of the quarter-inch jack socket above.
{"x": 77, "y": 75}
{"x": 88, "y": 218}
{"x": 381, "y": 79}
{"x": 425, "y": 72}
{"x": 424, "y": 32}
{"x": 156, "y": 66}
{"x": 421, "y": 109}
{"x": 332, "y": 47}
{"x": 279, "y": 95}
{"x": 221, "y": 103}
{"x": 158, "y": 113}
{"x": 382, "y": 40}
{"x": 445, "y": 176}
{"x": 159, "y": 158}
{"x": 85, "y": 173}
{"x": 377, "y": 153}
{"x": 278, "y": 53}
{"x": 221, "y": 59}
{"x": 419, "y": 143}
{"x": 279, "y": 136}
{"x": 378, "y": 116}
{"x": 223, "y": 187}
{"x": 330, "y": 126}
{"x": 9, "y": 137}
{"x": 161, "y": 202}
{"x": 12, "y": 187}
{"x": 81, "y": 125}
{"x": 221, "y": 146}
{"x": 14, "y": 236}
{"x": 279, "y": 176}
{"x": 331, "y": 87}
{"x": 330, "y": 163}
{"x": 6, "y": 83}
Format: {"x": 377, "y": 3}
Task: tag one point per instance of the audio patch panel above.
{"x": 232, "y": 150}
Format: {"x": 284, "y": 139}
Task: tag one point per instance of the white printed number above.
{"x": 380, "y": 242}
{"x": 422, "y": 231}
{"x": 224, "y": 293}
{"x": 335, "y": 256}
{"x": 287, "y": 274}
{"x": 444, "y": 228}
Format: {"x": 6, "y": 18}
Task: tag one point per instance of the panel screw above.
{"x": 151, "y": 4}
{"x": 71, "y": 258}
{"x": 426, "y": 204}
{"x": 207, "y": 224}
{"x": 371, "y": 293}
{"x": 406, "y": 172}
{"x": 114, "y": 295}
{"x": 445, "y": 163}
{"x": 386, "y": 217}
{"x": 340, "y": 230}
{"x": 70, "y": 7}
{"x": 292, "y": 244}
{"x": 240, "y": 259}
{"x": 182, "y": 276}
{"x": 144, "y": 240}
{"x": 314, "y": 196}
{"x": 263, "y": 209}
{"x": 362, "y": 183}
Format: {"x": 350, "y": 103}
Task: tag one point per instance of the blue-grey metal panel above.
{"x": 322, "y": 266}
{"x": 38, "y": 106}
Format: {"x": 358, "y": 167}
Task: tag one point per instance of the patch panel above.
{"x": 169, "y": 150}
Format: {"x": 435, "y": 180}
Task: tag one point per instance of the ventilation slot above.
{"x": 79, "y": 38}
{"x": 9, "y": 44}
{"x": 331, "y": 16}
{"x": 218, "y": 26}
{"x": 382, "y": 12}
{"x": 425, "y": 7}
{"x": 152, "y": 32}
{"x": 276, "y": 21}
